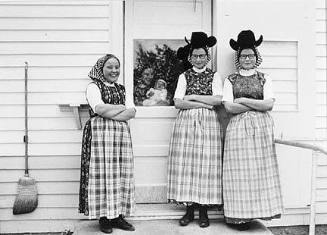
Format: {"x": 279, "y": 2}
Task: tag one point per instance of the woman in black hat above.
{"x": 250, "y": 177}
{"x": 194, "y": 159}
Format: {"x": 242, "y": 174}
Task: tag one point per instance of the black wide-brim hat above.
{"x": 245, "y": 40}
{"x": 198, "y": 40}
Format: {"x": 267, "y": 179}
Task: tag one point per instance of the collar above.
{"x": 249, "y": 72}
{"x": 199, "y": 70}
{"x": 109, "y": 84}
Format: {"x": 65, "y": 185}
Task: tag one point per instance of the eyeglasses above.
{"x": 250, "y": 56}
{"x": 201, "y": 56}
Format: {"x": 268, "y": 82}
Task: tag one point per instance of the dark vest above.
{"x": 248, "y": 86}
{"x": 110, "y": 95}
{"x": 199, "y": 83}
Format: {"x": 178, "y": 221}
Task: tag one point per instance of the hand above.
{"x": 207, "y": 106}
{"x": 131, "y": 112}
{"x": 149, "y": 94}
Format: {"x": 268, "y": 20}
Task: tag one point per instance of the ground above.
{"x": 298, "y": 230}
{"x": 289, "y": 230}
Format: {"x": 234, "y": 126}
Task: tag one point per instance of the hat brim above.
{"x": 259, "y": 41}
{"x": 211, "y": 41}
{"x": 182, "y": 52}
{"x": 233, "y": 44}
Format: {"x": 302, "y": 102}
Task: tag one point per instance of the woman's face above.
{"x": 111, "y": 70}
{"x": 199, "y": 58}
{"x": 147, "y": 75}
{"x": 247, "y": 59}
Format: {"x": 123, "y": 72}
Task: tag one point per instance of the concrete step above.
{"x": 162, "y": 219}
{"x": 167, "y": 211}
{"x": 171, "y": 227}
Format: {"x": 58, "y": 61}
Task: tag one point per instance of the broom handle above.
{"x": 26, "y": 121}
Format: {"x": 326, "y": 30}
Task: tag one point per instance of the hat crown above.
{"x": 245, "y": 39}
{"x": 201, "y": 40}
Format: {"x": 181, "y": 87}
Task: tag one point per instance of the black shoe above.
{"x": 188, "y": 217}
{"x": 121, "y": 223}
{"x": 105, "y": 225}
{"x": 240, "y": 227}
{"x": 203, "y": 217}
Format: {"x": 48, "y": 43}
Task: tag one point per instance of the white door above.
{"x": 151, "y": 129}
{"x": 288, "y": 56}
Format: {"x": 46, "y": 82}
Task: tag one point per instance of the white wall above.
{"x": 321, "y": 106}
{"x": 60, "y": 41}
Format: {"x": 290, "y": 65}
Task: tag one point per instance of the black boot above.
{"x": 105, "y": 225}
{"x": 203, "y": 216}
{"x": 188, "y": 217}
{"x": 121, "y": 223}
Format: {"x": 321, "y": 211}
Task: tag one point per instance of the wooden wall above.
{"x": 61, "y": 40}
{"x": 321, "y": 105}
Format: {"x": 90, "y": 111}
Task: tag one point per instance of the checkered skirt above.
{"x": 111, "y": 183}
{"x": 195, "y": 158}
{"x": 250, "y": 173}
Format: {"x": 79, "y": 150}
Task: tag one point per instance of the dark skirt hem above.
{"x": 230, "y": 220}
{"x": 188, "y": 203}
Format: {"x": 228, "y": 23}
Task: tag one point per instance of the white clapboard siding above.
{"x": 55, "y": 36}
{"x": 39, "y": 11}
{"x": 44, "y": 213}
{"x": 46, "y": 48}
{"x": 44, "y": 86}
{"x": 46, "y": 175}
{"x": 58, "y": 188}
{"x": 54, "y": 23}
{"x": 43, "y": 98}
{"x": 49, "y": 60}
{"x": 321, "y": 105}
{"x": 44, "y": 201}
{"x": 41, "y": 162}
{"x": 61, "y": 42}
{"x": 38, "y": 110}
{"x": 321, "y": 79}
{"x": 42, "y": 73}
{"x": 280, "y": 62}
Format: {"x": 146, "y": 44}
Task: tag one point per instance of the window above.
{"x": 156, "y": 71}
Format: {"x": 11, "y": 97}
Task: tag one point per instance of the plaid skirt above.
{"x": 110, "y": 188}
{"x": 195, "y": 158}
{"x": 251, "y": 181}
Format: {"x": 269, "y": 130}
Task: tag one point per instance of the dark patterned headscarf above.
{"x": 96, "y": 73}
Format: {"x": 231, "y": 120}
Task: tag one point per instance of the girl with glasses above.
{"x": 251, "y": 184}
{"x": 194, "y": 158}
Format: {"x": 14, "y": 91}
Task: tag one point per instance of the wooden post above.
{"x": 315, "y": 155}
{"x": 77, "y": 116}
